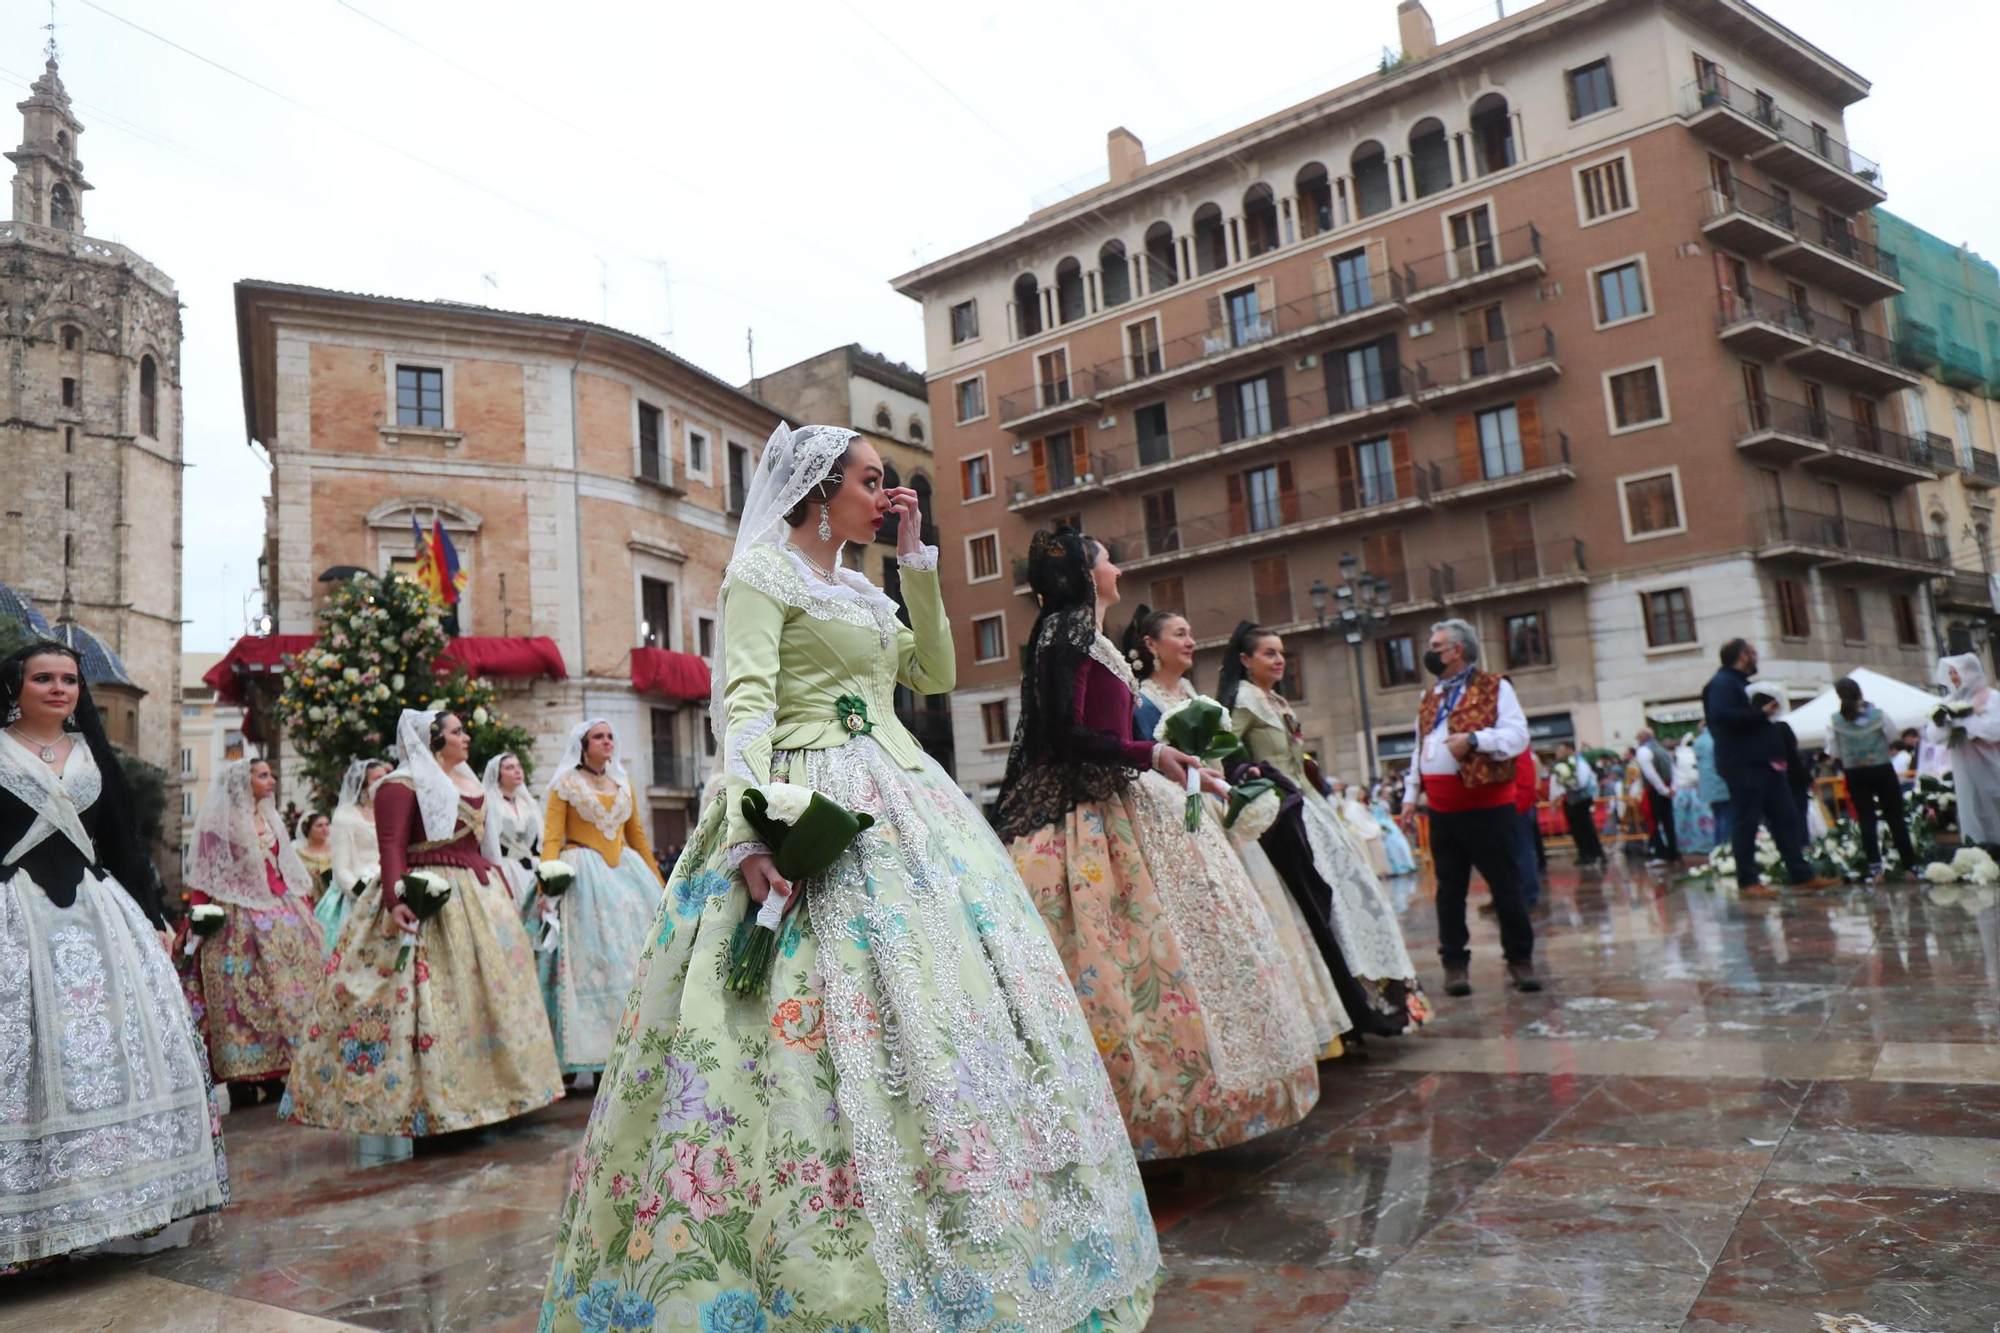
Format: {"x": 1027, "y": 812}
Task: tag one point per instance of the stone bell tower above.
{"x": 48, "y": 180}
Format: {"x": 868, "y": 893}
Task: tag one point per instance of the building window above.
{"x": 975, "y": 475}
{"x": 1652, "y": 504}
{"x": 69, "y": 490}
{"x": 964, "y": 322}
{"x": 994, "y": 725}
{"x": 1246, "y": 323}
{"x": 420, "y": 396}
{"x": 187, "y": 760}
{"x": 1492, "y": 134}
{"x": 1351, "y": 282}
{"x": 1472, "y": 248}
{"x": 883, "y": 421}
{"x": 69, "y": 551}
{"x": 1114, "y": 274}
{"x": 666, "y": 753}
{"x": 1162, "y": 268}
{"x": 1142, "y": 344}
{"x": 697, "y": 451}
{"x": 1315, "y": 196}
{"x": 1637, "y": 398}
{"x": 187, "y": 805}
{"x": 1292, "y": 686}
{"x": 1253, "y": 407}
{"x": 1590, "y": 89}
{"x": 651, "y": 465}
{"x": 1375, "y": 470}
{"x": 1397, "y": 658}
{"x": 1500, "y": 442}
{"x": 989, "y": 638}
{"x": 69, "y": 439}
{"x": 1527, "y": 640}
{"x": 1847, "y": 604}
{"x": 1211, "y": 240}
{"x": 1150, "y": 422}
{"x": 1604, "y": 190}
{"x": 1370, "y": 167}
{"x": 1906, "y": 621}
{"x": 656, "y": 613}
{"x": 68, "y": 391}
{"x": 1271, "y": 586}
{"x": 739, "y": 478}
{"x": 1621, "y": 293}
{"x": 149, "y": 397}
{"x": 1794, "y": 620}
{"x": 970, "y": 395}
{"x": 1162, "y": 515}
{"x": 1669, "y": 617}
{"x": 704, "y": 636}
{"x": 1430, "y": 157}
{"x": 72, "y": 337}
{"x": 982, "y": 557}
{"x": 62, "y": 209}
{"x": 1168, "y": 594}
{"x": 916, "y": 431}
{"x": 1263, "y": 509}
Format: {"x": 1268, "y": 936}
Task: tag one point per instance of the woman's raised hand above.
{"x": 910, "y": 521}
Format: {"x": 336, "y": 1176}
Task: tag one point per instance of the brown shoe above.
{"x": 1456, "y": 982}
{"x": 1524, "y": 978}
{"x": 1822, "y": 884}
{"x": 1755, "y": 891}
{"x": 1489, "y": 908}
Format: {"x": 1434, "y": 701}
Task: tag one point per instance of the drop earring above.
{"x": 13, "y": 715}
{"x": 825, "y": 525}
{"x": 69, "y": 723}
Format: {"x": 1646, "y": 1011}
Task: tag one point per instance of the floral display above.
{"x": 425, "y": 892}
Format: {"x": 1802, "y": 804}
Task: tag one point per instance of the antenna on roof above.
{"x": 750, "y": 346}
{"x": 51, "y": 50}
{"x": 489, "y": 282}
{"x": 667, "y": 284}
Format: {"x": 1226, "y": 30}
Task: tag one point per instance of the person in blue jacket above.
{"x": 1750, "y": 754}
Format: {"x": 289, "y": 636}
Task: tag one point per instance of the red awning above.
{"x": 480, "y": 655}
{"x": 680, "y": 676}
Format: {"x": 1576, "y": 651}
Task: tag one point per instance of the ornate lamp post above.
{"x": 1359, "y": 608}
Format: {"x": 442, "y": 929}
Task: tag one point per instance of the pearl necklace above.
{"x": 815, "y": 565}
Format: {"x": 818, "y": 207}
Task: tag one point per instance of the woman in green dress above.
{"x": 910, "y": 1129}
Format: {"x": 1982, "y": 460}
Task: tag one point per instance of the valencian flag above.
{"x": 438, "y": 569}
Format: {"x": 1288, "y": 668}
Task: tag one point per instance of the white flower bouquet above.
{"x": 1566, "y": 773}
{"x": 425, "y": 892}
{"x": 203, "y": 921}
{"x": 1952, "y": 715}
{"x": 555, "y": 877}
{"x": 807, "y": 833}
{"x": 1252, "y": 809}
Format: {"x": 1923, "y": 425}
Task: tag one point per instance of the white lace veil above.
{"x": 228, "y": 861}
{"x": 794, "y": 462}
{"x": 350, "y": 783}
{"x": 437, "y": 797}
{"x": 1971, "y": 676}
{"x": 498, "y": 806}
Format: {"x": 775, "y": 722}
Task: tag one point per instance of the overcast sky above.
{"x": 692, "y": 172}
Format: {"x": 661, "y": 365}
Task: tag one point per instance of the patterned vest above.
{"x": 1862, "y": 743}
{"x": 1478, "y": 708}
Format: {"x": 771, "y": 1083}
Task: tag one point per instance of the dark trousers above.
{"x": 1764, "y": 796}
{"x": 1485, "y": 840}
{"x": 1720, "y": 809}
{"x": 1583, "y": 831}
{"x": 1877, "y": 794}
{"x": 1527, "y": 836}
{"x": 1662, "y": 843}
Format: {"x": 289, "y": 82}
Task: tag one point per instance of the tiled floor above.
{"x": 1719, "y": 1116}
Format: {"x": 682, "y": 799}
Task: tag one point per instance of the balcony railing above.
{"x": 1357, "y": 393}
{"x": 1832, "y": 331}
{"x": 1487, "y": 254}
{"x": 1838, "y": 238}
{"x": 1841, "y": 535}
{"x": 1836, "y": 432}
{"x": 1529, "y": 347}
{"x": 1512, "y": 565}
{"x": 1451, "y": 476}
{"x": 1716, "y": 90}
{"x": 1713, "y": 90}
{"x": 1960, "y": 366}
{"x": 1297, "y": 413}
{"x": 1058, "y": 478}
{"x": 1943, "y": 453}
{"x": 1078, "y": 386}
{"x": 1274, "y": 517}
{"x": 1981, "y": 468}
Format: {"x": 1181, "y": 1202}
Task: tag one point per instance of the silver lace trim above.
{"x": 924, "y": 558}
{"x": 742, "y": 736}
{"x": 743, "y": 851}
{"x": 780, "y": 575}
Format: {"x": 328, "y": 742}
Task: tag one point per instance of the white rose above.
{"x": 786, "y": 801}
{"x": 396, "y": 682}
{"x": 479, "y": 716}
{"x": 1940, "y": 872}
{"x": 205, "y": 912}
{"x": 381, "y": 691}
{"x": 555, "y": 869}
{"x": 329, "y": 661}
{"x": 430, "y": 883}
{"x": 350, "y": 675}
{"x": 316, "y": 713}
{"x": 1986, "y": 875}
{"x": 1970, "y": 859}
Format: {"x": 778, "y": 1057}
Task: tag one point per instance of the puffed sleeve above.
{"x": 926, "y": 660}
{"x": 637, "y": 841}
{"x": 749, "y": 699}
{"x": 395, "y": 818}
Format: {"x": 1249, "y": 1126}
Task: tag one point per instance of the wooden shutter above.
{"x": 1225, "y": 411}
{"x": 1038, "y": 452}
{"x": 1281, "y": 412}
{"x": 1267, "y": 295}
{"x": 1288, "y": 496}
{"x": 1218, "y": 318}
{"x": 1399, "y": 449}
{"x": 964, "y": 478}
{"x": 1569, "y": 86}
{"x": 1239, "y": 520}
{"x": 1080, "y": 453}
{"x": 1509, "y": 530}
{"x": 1469, "y": 469}
{"x": 1343, "y": 468}
{"x": 1271, "y": 589}
{"x": 1528, "y": 415}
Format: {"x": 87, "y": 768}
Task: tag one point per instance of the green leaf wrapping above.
{"x": 1202, "y": 729}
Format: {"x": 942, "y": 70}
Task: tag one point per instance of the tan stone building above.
{"x": 211, "y": 736}
{"x": 583, "y": 474}
{"x": 889, "y": 404}
{"x": 90, "y": 434}
{"x": 1569, "y": 326}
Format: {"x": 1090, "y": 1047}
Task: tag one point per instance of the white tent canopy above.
{"x": 1909, "y": 705}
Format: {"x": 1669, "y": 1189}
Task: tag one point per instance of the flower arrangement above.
{"x": 425, "y": 892}
{"x": 204, "y": 920}
{"x": 1199, "y": 727}
{"x": 806, "y": 833}
{"x": 380, "y": 650}
{"x": 555, "y": 877}
{"x": 1952, "y": 715}
{"x": 1252, "y": 809}
{"x": 1565, "y": 771}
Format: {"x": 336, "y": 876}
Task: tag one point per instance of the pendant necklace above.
{"x": 47, "y": 753}
{"x": 817, "y": 567}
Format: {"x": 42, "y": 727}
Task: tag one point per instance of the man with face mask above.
{"x": 1470, "y": 728}
{"x": 1750, "y": 756}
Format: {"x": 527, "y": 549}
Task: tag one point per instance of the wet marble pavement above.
{"x": 1777, "y": 1115}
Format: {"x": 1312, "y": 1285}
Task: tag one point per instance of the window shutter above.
{"x": 1288, "y": 496}
{"x": 1610, "y": 87}
{"x": 1080, "y": 452}
{"x": 1271, "y": 589}
{"x": 1343, "y": 468}
{"x": 1528, "y": 414}
{"x": 1039, "y": 454}
{"x": 1217, "y": 317}
{"x": 1469, "y": 469}
{"x": 1267, "y": 301}
{"x": 1569, "y": 82}
{"x": 1225, "y": 410}
{"x": 1399, "y": 450}
{"x": 1239, "y": 521}
{"x": 1281, "y": 411}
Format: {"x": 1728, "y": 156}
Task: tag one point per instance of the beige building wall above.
{"x": 211, "y": 736}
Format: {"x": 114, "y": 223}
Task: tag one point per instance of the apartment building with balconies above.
{"x": 1570, "y": 326}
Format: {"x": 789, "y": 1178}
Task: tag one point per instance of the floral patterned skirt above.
{"x": 107, "y": 1129}
{"x": 1694, "y": 823}
{"x": 455, "y": 1040}
{"x": 256, "y": 978}
{"x": 603, "y": 923}
{"x": 909, "y": 1130}
{"x": 331, "y": 912}
{"x": 1179, "y": 970}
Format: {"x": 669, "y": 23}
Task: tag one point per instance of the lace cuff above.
{"x": 742, "y": 852}
{"x": 923, "y": 559}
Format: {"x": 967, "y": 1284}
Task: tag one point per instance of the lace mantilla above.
{"x": 58, "y": 804}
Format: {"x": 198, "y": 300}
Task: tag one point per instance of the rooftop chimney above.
{"x": 1413, "y": 24}
{"x": 1127, "y": 154}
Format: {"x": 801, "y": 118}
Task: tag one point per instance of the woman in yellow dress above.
{"x": 604, "y": 922}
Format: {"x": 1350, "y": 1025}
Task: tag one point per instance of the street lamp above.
{"x": 1359, "y": 608}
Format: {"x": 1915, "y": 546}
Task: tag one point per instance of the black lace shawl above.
{"x": 1056, "y": 764}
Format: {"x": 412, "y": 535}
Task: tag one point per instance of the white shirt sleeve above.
{"x": 1508, "y": 736}
{"x": 1413, "y": 782}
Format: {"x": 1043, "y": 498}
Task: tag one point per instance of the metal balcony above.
{"x": 1466, "y": 272}
{"x": 1451, "y": 485}
{"x": 1518, "y": 359}
{"x": 1244, "y": 528}
{"x": 1514, "y": 570}
{"x": 1830, "y": 254}
{"x": 1978, "y": 468}
{"x": 1067, "y": 397}
{"x": 1735, "y": 119}
{"x": 1964, "y": 590}
{"x": 1059, "y": 484}
{"x": 1764, "y": 325}
{"x": 1836, "y": 541}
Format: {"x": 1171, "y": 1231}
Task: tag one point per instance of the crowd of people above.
{"x": 922, "y": 1097}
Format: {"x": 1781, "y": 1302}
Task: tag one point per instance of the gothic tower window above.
{"x": 149, "y": 397}
{"x": 62, "y": 210}
{"x": 71, "y": 337}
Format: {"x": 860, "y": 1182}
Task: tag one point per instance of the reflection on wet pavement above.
{"x": 1719, "y": 1116}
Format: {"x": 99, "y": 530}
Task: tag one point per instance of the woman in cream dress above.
{"x": 513, "y": 828}
{"x": 1160, "y": 647}
{"x": 356, "y": 859}
{"x": 315, "y": 853}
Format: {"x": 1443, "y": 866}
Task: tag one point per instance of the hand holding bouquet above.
{"x": 1253, "y": 808}
{"x": 1952, "y": 715}
{"x": 203, "y": 921}
{"x": 1198, "y": 727}
{"x": 425, "y": 892}
{"x": 806, "y": 833}
{"x": 555, "y": 877}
